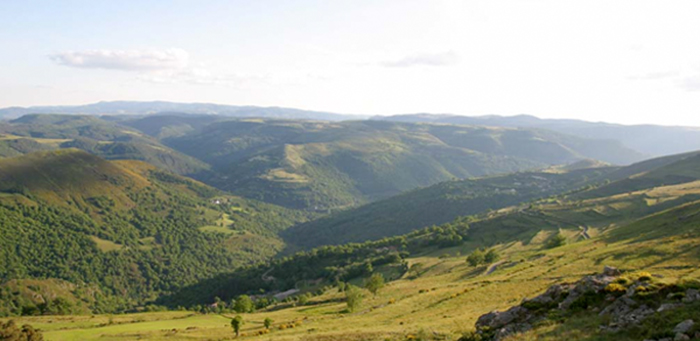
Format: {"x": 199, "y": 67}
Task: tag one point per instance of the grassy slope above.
{"x": 333, "y": 165}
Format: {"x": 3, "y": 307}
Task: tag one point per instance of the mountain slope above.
{"x": 443, "y": 202}
{"x": 106, "y": 139}
{"x": 652, "y": 140}
{"x": 124, "y": 228}
{"x": 322, "y": 165}
{"x": 436, "y": 205}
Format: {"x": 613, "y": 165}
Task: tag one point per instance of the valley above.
{"x": 299, "y": 215}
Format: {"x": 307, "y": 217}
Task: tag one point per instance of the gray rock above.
{"x": 668, "y": 306}
{"x": 681, "y": 337}
{"x": 684, "y": 326}
{"x": 611, "y": 271}
{"x": 691, "y": 295}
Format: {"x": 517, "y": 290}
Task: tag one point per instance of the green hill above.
{"x": 119, "y": 232}
{"x": 100, "y": 137}
{"x": 324, "y": 165}
{"x": 436, "y": 205}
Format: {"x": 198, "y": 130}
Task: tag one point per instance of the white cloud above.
{"x": 200, "y": 76}
{"x": 125, "y": 60}
{"x": 435, "y": 59}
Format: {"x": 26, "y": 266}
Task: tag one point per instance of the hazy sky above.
{"x": 618, "y": 61}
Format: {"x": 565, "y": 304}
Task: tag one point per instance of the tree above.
{"x": 556, "y": 241}
{"x": 353, "y": 297}
{"x": 416, "y": 269}
{"x": 243, "y": 304}
{"x": 268, "y": 323}
{"x": 236, "y": 324}
{"x": 9, "y": 331}
{"x": 476, "y": 257}
{"x": 374, "y": 283}
{"x": 491, "y": 256}
{"x": 341, "y": 285}
{"x": 303, "y": 299}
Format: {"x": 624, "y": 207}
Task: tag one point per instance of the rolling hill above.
{"x": 436, "y": 205}
{"x": 115, "y": 234}
{"x": 328, "y": 165}
{"x": 444, "y": 202}
{"x": 100, "y": 137}
{"x": 651, "y": 140}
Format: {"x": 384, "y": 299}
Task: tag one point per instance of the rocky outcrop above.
{"x": 624, "y": 299}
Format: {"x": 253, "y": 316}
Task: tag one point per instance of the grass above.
{"x": 106, "y": 245}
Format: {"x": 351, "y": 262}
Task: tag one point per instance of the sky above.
{"x": 616, "y": 61}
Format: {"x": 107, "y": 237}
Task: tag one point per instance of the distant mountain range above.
{"x": 652, "y": 140}
{"x": 155, "y": 107}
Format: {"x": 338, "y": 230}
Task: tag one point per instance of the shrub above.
{"x": 615, "y": 288}
{"x": 556, "y": 241}
{"x": 374, "y": 283}
{"x": 353, "y": 297}
{"x": 491, "y": 256}
{"x": 475, "y": 258}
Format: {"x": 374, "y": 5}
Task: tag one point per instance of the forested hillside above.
{"x": 118, "y": 233}
{"x": 322, "y": 165}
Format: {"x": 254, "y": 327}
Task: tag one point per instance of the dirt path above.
{"x": 584, "y": 233}
{"x": 493, "y": 267}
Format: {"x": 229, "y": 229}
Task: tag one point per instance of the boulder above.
{"x": 691, "y": 295}
{"x": 684, "y": 326}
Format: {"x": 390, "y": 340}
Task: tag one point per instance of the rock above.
{"x": 691, "y": 295}
{"x": 684, "y": 326}
{"x": 611, "y": 271}
{"x": 668, "y": 306}
{"x": 681, "y": 337}
{"x": 497, "y": 320}
{"x": 617, "y": 308}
